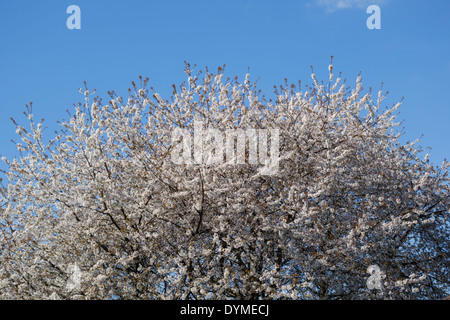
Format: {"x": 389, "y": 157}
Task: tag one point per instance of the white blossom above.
{"x": 105, "y": 196}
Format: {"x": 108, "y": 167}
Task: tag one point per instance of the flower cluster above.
{"x": 105, "y": 196}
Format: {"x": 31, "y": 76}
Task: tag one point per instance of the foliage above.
{"x": 104, "y": 196}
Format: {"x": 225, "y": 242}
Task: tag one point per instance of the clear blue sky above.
{"x": 44, "y": 62}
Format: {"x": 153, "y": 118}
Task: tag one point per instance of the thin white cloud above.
{"x": 334, "y": 5}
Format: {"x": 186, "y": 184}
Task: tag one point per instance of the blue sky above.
{"x": 42, "y": 61}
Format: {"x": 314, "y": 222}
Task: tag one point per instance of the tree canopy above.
{"x": 105, "y": 198}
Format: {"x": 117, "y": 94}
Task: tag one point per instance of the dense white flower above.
{"x": 106, "y": 197}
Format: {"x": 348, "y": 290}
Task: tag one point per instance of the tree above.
{"x": 105, "y": 198}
